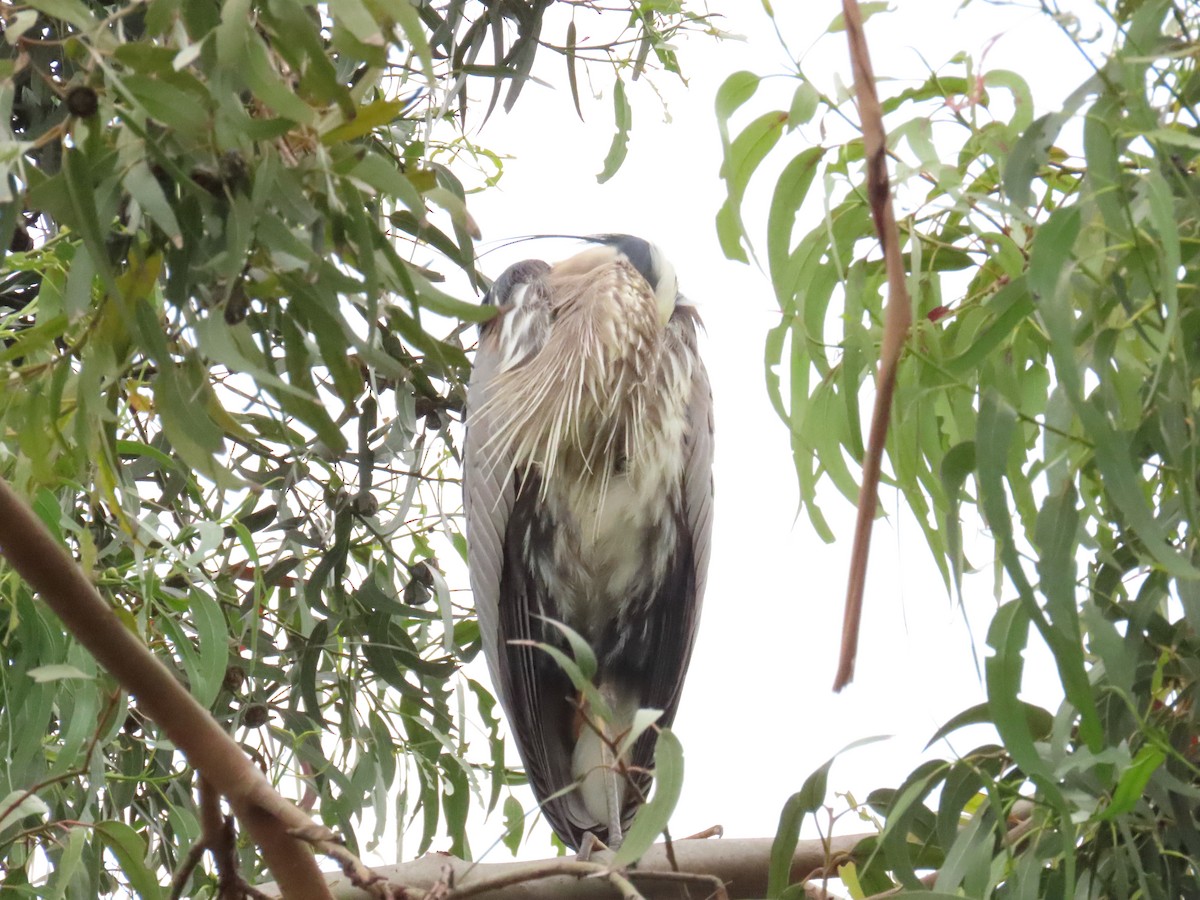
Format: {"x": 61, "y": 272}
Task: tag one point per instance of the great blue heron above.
{"x": 588, "y": 479}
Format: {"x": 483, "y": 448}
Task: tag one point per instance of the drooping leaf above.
{"x": 742, "y": 158}
{"x": 652, "y": 817}
{"x": 623, "y": 117}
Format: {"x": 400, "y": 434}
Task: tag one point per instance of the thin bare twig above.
{"x": 670, "y": 848}
{"x": 524, "y": 875}
{"x": 624, "y": 885}
{"x": 212, "y": 824}
{"x": 895, "y": 331}
{"x": 180, "y": 879}
{"x": 715, "y": 884}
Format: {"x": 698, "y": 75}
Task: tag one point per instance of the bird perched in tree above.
{"x": 588, "y": 485}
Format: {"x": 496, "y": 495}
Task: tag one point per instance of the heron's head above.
{"x": 646, "y": 258}
{"x": 581, "y": 355}
{"x": 651, "y": 265}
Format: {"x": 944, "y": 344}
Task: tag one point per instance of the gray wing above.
{"x": 674, "y": 615}
{"x": 675, "y": 611}
{"x": 501, "y": 509}
{"x": 697, "y": 474}
{"x": 487, "y": 500}
{"x": 488, "y": 488}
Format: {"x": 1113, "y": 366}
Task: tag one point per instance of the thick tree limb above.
{"x": 740, "y": 864}
{"x": 895, "y": 331}
{"x": 62, "y": 585}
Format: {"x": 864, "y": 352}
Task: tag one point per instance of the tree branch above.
{"x": 740, "y": 865}
{"x": 267, "y": 817}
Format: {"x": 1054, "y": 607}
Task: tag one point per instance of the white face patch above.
{"x": 667, "y": 288}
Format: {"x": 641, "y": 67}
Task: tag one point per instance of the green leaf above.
{"x": 731, "y": 95}
{"x": 384, "y": 176}
{"x": 212, "y": 638}
{"x": 56, "y": 672}
{"x": 404, "y": 13}
{"x": 86, "y": 218}
{"x": 67, "y": 865}
{"x": 1022, "y": 97}
{"x": 72, "y": 11}
{"x": 957, "y": 464}
{"x": 623, "y": 115}
{"x": 790, "y": 191}
{"x": 866, "y": 9}
{"x": 804, "y": 105}
{"x": 572, "y": 77}
{"x": 130, "y": 850}
{"x": 430, "y": 298}
{"x": 804, "y": 802}
{"x": 303, "y": 404}
{"x": 1009, "y": 307}
{"x": 267, "y": 83}
{"x": 1133, "y": 782}
{"x": 653, "y": 817}
{"x": 18, "y": 805}
{"x": 1051, "y": 265}
{"x": 642, "y": 720}
{"x": 1176, "y": 137}
{"x": 366, "y": 119}
{"x": 356, "y": 18}
{"x": 514, "y": 824}
{"x": 582, "y": 683}
{"x": 937, "y": 87}
{"x": 742, "y": 159}
{"x": 1167, "y": 229}
{"x": 318, "y": 310}
{"x": 1039, "y": 721}
{"x": 905, "y": 839}
{"x": 1030, "y": 154}
{"x": 1007, "y": 635}
{"x": 146, "y": 190}
{"x": 1033, "y": 148}
{"x": 167, "y": 101}
{"x": 1050, "y": 258}
{"x": 581, "y": 650}
{"x": 1057, "y": 539}
{"x": 233, "y": 32}
{"x": 17, "y": 26}
{"x": 178, "y": 397}
{"x": 46, "y": 505}
{"x": 995, "y": 428}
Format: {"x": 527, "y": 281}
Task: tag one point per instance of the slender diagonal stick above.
{"x": 895, "y": 331}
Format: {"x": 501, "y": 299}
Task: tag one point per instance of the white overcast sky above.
{"x": 758, "y": 714}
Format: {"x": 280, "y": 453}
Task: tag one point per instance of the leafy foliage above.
{"x": 233, "y": 378}
{"x": 1050, "y": 382}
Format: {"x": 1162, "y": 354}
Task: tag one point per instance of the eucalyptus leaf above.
{"x": 652, "y": 818}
